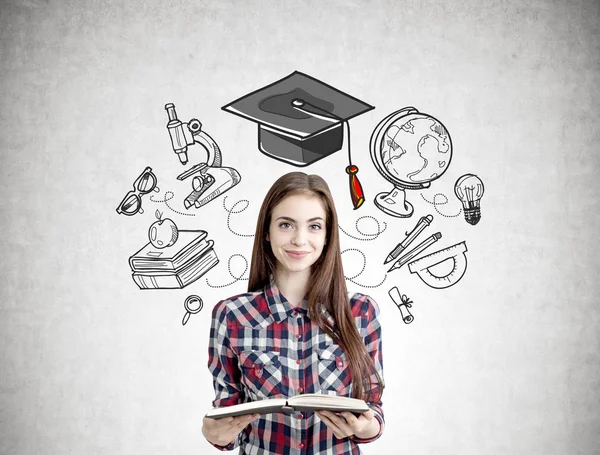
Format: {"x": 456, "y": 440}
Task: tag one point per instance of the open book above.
{"x": 305, "y": 402}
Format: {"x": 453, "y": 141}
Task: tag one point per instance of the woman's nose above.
{"x": 299, "y": 238}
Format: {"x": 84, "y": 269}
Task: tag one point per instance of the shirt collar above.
{"x": 280, "y": 307}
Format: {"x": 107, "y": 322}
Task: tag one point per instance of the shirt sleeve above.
{"x": 223, "y": 364}
{"x": 371, "y": 333}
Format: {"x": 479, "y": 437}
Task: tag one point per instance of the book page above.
{"x": 315, "y": 400}
{"x": 248, "y": 408}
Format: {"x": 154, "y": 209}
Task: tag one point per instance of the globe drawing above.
{"x": 410, "y": 149}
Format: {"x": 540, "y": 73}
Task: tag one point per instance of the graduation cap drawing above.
{"x": 302, "y": 120}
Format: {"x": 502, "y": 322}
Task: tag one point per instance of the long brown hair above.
{"x": 327, "y": 281}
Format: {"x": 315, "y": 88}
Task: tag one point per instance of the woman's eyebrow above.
{"x": 287, "y": 218}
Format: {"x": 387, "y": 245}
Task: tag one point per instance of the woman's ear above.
{"x": 267, "y": 239}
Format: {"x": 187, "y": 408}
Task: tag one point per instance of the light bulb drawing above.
{"x": 469, "y": 190}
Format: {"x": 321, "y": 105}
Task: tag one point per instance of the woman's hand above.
{"x": 347, "y": 424}
{"x": 222, "y": 431}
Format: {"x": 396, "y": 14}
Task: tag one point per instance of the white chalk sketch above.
{"x": 208, "y": 183}
{"x": 366, "y": 236}
{"x": 236, "y": 277}
{"x": 469, "y": 190}
{"x": 410, "y": 255}
{"x": 185, "y": 134}
{"x": 168, "y": 196}
{"x": 209, "y": 178}
{"x": 302, "y": 120}
{"x": 192, "y": 305}
{"x": 175, "y": 266}
{"x": 442, "y": 269}
{"x": 403, "y": 303}
{"x": 423, "y": 222}
{"x": 440, "y": 199}
{"x": 362, "y": 269}
{"x": 410, "y": 149}
{"x": 144, "y": 184}
{"x": 234, "y": 210}
{"x": 162, "y": 233}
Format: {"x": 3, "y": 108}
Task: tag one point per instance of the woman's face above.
{"x": 297, "y": 232}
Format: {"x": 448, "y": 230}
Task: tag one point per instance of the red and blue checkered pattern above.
{"x": 260, "y": 347}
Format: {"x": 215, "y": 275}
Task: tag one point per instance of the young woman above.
{"x": 297, "y": 330}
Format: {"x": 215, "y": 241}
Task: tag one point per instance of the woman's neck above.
{"x": 292, "y": 285}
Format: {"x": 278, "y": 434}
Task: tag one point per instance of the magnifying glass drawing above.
{"x": 193, "y": 304}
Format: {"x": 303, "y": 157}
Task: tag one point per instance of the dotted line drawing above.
{"x": 366, "y": 236}
{"x": 435, "y": 203}
{"x": 351, "y": 278}
{"x": 231, "y": 211}
{"x": 168, "y": 196}
{"x": 235, "y": 278}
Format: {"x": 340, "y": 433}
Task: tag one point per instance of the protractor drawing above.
{"x": 443, "y": 268}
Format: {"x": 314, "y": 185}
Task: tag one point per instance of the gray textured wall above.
{"x": 504, "y": 362}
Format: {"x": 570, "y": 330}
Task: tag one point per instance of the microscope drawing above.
{"x": 210, "y": 179}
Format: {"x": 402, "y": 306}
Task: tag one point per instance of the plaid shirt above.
{"x": 260, "y": 347}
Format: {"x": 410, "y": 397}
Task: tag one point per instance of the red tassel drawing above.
{"x": 356, "y": 191}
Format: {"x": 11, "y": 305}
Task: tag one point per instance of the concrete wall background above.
{"x": 506, "y": 361}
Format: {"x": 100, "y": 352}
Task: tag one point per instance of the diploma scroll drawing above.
{"x": 403, "y": 303}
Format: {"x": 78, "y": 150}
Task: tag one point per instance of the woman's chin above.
{"x": 296, "y": 266}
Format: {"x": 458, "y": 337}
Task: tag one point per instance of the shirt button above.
{"x": 298, "y": 362}
{"x": 300, "y": 389}
{"x": 299, "y": 416}
{"x": 298, "y": 335}
{"x": 295, "y": 313}
{"x": 301, "y": 446}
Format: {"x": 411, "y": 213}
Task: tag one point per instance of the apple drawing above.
{"x": 163, "y": 233}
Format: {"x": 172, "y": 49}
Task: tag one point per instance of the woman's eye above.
{"x": 285, "y": 225}
{"x": 315, "y": 227}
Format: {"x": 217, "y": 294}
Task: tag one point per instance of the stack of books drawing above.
{"x": 175, "y": 266}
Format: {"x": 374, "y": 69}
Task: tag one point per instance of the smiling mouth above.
{"x": 297, "y": 254}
